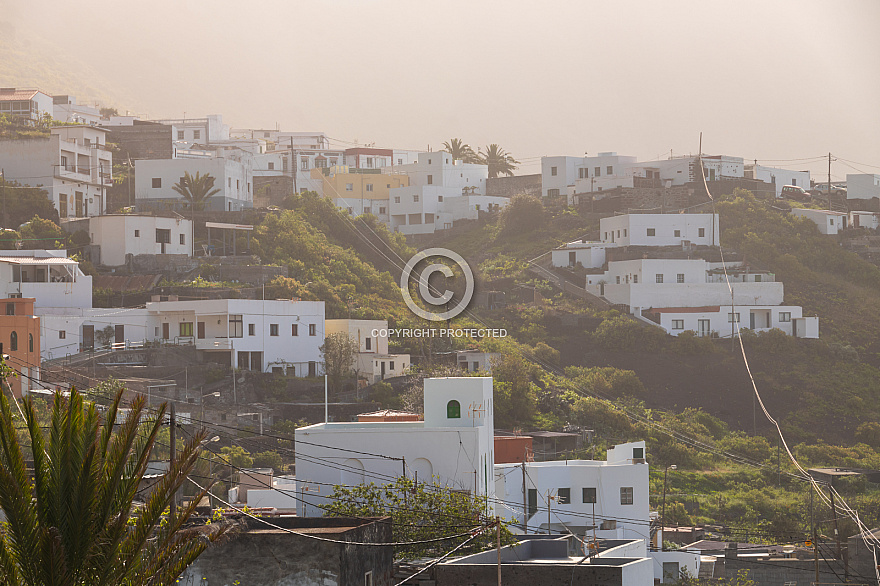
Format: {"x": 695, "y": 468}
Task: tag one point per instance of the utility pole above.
{"x": 525, "y": 500}
{"x": 834, "y": 513}
{"x": 829, "y": 181}
{"x": 498, "y": 545}
{"x": 813, "y": 533}
{"x": 173, "y": 437}
{"x": 5, "y": 216}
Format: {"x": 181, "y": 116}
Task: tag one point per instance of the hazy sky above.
{"x": 771, "y": 80}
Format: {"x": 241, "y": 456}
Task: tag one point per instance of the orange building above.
{"x": 20, "y": 339}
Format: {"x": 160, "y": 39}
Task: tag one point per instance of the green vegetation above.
{"x": 418, "y": 511}
{"x": 196, "y": 189}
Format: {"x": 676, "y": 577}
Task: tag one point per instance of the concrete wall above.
{"x": 233, "y": 178}
{"x": 778, "y": 177}
{"x": 862, "y": 185}
{"x": 668, "y": 229}
{"x": 766, "y": 318}
{"x": 266, "y": 557}
{"x": 510, "y": 186}
{"x": 142, "y": 140}
{"x": 122, "y": 234}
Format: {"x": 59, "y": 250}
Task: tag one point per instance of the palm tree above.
{"x": 460, "y": 150}
{"x": 196, "y": 189}
{"x": 500, "y": 162}
{"x": 74, "y": 523}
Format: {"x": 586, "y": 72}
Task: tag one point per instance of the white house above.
{"x": 580, "y": 252}
{"x": 73, "y": 165}
{"x": 722, "y": 320}
{"x": 650, "y": 282}
{"x": 155, "y": 178}
{"x": 862, "y": 219}
{"x": 828, "y": 221}
{"x": 778, "y": 177}
{"x": 660, "y": 229}
{"x": 268, "y": 336}
{"x": 29, "y": 104}
{"x": 862, "y": 185}
{"x": 197, "y": 130}
{"x": 453, "y": 446}
{"x": 373, "y": 359}
{"x": 476, "y": 360}
{"x": 567, "y": 175}
{"x": 576, "y": 494}
{"x": 439, "y": 168}
{"x": 48, "y": 276}
{"x": 119, "y": 235}
{"x": 425, "y": 209}
{"x": 65, "y": 109}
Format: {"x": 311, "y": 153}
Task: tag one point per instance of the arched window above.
{"x": 13, "y": 341}
{"x": 453, "y": 410}
{"x": 30, "y": 342}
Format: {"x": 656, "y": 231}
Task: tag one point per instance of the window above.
{"x": 638, "y": 453}
{"x": 784, "y": 316}
{"x": 271, "y": 165}
{"x": 313, "y": 330}
{"x": 304, "y": 165}
{"x": 294, "y": 330}
{"x": 252, "y": 329}
{"x": 186, "y": 329}
{"x": 552, "y": 193}
{"x": 349, "y": 187}
{"x": 563, "y": 496}
{"x": 397, "y": 199}
{"x": 757, "y": 278}
{"x": 617, "y": 280}
{"x": 678, "y": 324}
{"x": 236, "y": 326}
{"x": 702, "y": 232}
{"x": 13, "y": 341}
{"x": 609, "y": 170}
{"x": 597, "y": 171}
{"x": 658, "y": 278}
{"x": 453, "y": 410}
{"x": 430, "y": 180}
{"x": 652, "y": 231}
{"x": 10, "y": 309}
{"x": 62, "y": 335}
{"x": 180, "y": 135}
{"x": 533, "y": 501}
{"x": 238, "y": 183}
{"x": 368, "y": 578}
{"x": 677, "y": 233}
{"x": 391, "y": 365}
{"x": 626, "y": 495}
{"x": 588, "y": 494}
{"x": 733, "y": 318}
{"x": 163, "y": 236}
{"x": 137, "y": 233}
{"x": 62, "y": 205}
{"x": 273, "y": 329}
{"x": 679, "y": 278}
{"x": 368, "y": 343}
{"x": 624, "y": 232}
{"x": 369, "y": 187}
{"x": 63, "y": 162}
{"x": 553, "y": 171}
{"x": 183, "y": 239}
{"x": 157, "y": 182}
{"x": 582, "y": 173}
{"x": 439, "y": 198}
{"x": 415, "y": 198}
{"x": 635, "y": 278}
{"x": 197, "y": 134}
{"x": 30, "y": 342}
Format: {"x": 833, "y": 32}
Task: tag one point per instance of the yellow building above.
{"x": 359, "y": 191}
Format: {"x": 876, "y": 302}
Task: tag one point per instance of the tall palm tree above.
{"x": 500, "y": 162}
{"x": 460, "y": 150}
{"x": 75, "y": 522}
{"x": 196, "y": 189}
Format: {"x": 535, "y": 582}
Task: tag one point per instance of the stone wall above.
{"x": 510, "y": 186}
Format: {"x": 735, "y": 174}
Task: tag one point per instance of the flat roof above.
{"x": 30, "y": 260}
{"x": 224, "y": 226}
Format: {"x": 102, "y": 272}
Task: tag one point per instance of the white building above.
{"x": 28, "y": 104}
{"x": 197, "y": 130}
{"x": 65, "y": 109}
{"x": 576, "y": 494}
{"x": 862, "y": 185}
{"x": 373, "y": 361}
{"x": 425, "y": 209}
{"x": 268, "y": 336}
{"x": 48, "y": 276}
{"x": 73, "y": 165}
{"x": 650, "y": 282}
{"x": 778, "y": 177}
{"x": 438, "y": 168}
{"x": 639, "y": 230}
{"x": 453, "y": 446}
{"x": 862, "y": 219}
{"x": 660, "y": 229}
{"x": 476, "y": 360}
{"x": 721, "y": 320}
{"x": 119, "y": 235}
{"x": 828, "y": 221}
{"x": 155, "y": 178}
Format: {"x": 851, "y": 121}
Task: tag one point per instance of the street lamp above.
{"x": 202, "y": 444}
{"x": 214, "y": 394}
{"x": 663, "y": 509}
